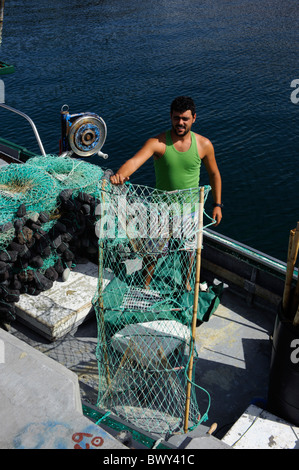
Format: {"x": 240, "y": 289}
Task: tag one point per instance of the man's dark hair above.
{"x": 182, "y": 104}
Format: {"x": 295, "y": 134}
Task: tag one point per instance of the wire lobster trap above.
{"x": 149, "y": 242}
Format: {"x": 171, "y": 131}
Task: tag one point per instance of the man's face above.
{"x": 182, "y": 122}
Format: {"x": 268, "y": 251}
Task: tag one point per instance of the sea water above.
{"x": 126, "y": 60}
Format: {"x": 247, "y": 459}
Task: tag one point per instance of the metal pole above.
{"x": 1, "y": 18}
{"x": 195, "y": 305}
{"x": 30, "y": 122}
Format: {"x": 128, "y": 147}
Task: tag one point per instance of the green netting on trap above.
{"x": 144, "y": 304}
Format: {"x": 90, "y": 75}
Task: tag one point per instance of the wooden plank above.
{"x": 239, "y": 281}
{"x": 291, "y": 261}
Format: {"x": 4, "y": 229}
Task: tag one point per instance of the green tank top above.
{"x": 178, "y": 170}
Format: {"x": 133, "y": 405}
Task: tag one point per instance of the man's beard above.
{"x": 180, "y": 134}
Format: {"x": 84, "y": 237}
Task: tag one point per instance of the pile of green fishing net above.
{"x": 47, "y": 218}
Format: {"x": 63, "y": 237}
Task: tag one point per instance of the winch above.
{"x": 82, "y": 134}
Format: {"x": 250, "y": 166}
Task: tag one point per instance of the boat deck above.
{"x": 234, "y": 352}
{"x": 233, "y": 347}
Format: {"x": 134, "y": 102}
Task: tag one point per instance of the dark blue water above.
{"x": 126, "y": 61}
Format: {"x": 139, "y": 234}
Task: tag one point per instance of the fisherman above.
{"x": 177, "y": 155}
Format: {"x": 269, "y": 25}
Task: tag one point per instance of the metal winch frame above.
{"x": 82, "y": 134}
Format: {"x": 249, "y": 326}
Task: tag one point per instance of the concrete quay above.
{"x": 40, "y": 403}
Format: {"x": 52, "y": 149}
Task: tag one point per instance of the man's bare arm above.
{"x": 210, "y": 163}
{"x": 150, "y": 147}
